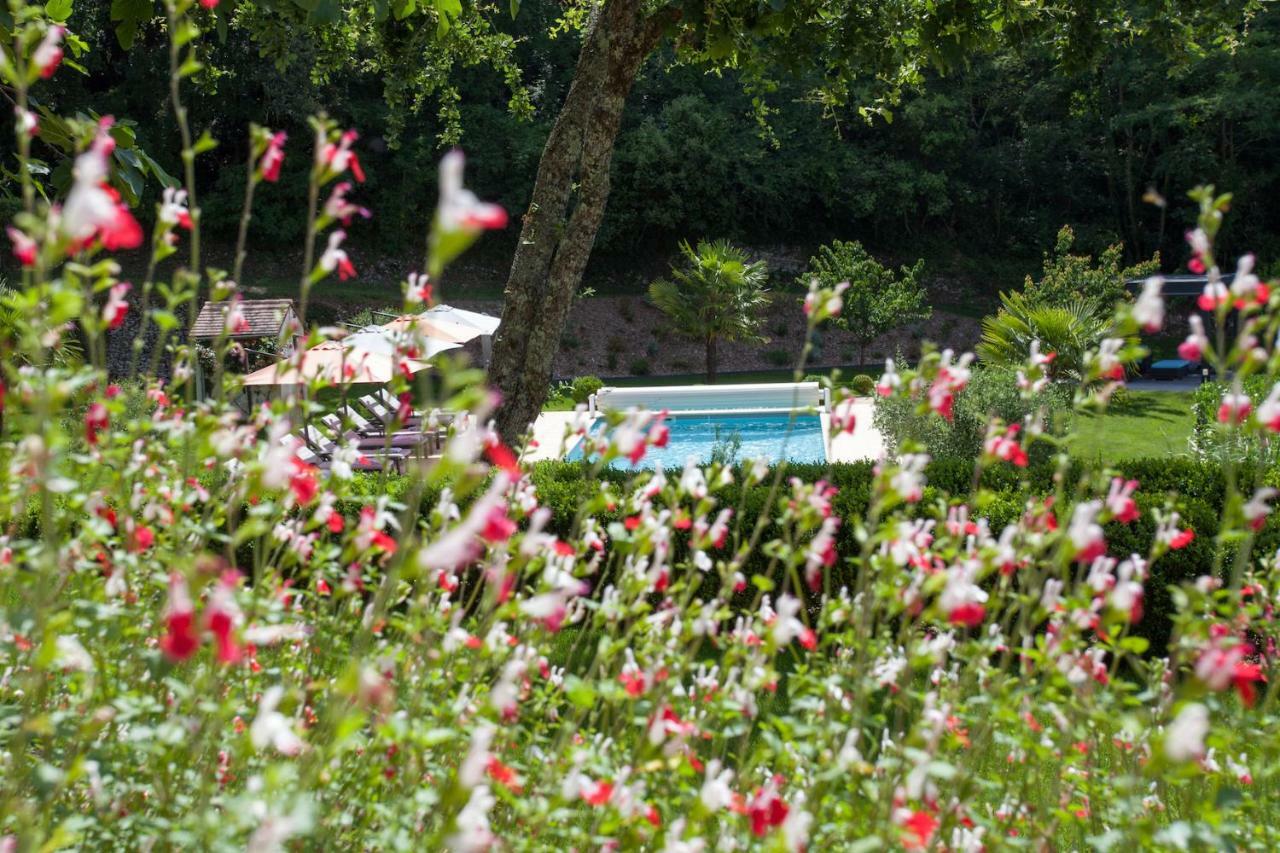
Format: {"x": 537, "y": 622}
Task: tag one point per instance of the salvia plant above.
{"x": 209, "y": 642}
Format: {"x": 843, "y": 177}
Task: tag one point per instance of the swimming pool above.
{"x": 772, "y": 436}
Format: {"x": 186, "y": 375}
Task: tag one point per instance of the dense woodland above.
{"x": 974, "y": 170}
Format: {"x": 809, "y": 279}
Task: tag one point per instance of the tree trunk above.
{"x": 560, "y": 225}
{"x": 711, "y": 359}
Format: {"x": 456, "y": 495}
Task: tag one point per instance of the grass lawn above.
{"x": 1145, "y": 423}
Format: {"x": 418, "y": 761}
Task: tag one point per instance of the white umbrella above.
{"x": 485, "y": 323}
{"x": 383, "y": 341}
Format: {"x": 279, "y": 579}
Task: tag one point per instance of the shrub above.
{"x": 639, "y": 367}
{"x": 1211, "y": 440}
{"x": 778, "y": 357}
{"x": 862, "y": 385}
{"x": 584, "y": 386}
{"x": 992, "y": 392}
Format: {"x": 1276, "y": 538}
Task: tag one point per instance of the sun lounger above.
{"x": 322, "y": 447}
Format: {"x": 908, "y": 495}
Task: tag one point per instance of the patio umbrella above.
{"x": 380, "y": 340}
{"x": 485, "y": 323}
{"x": 333, "y": 362}
{"x": 429, "y": 327}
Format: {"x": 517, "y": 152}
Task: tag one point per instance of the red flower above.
{"x": 808, "y": 639}
{"x": 221, "y": 617}
{"x": 1182, "y": 539}
{"x": 497, "y": 526}
{"x": 970, "y": 614}
{"x": 117, "y": 307}
{"x": 502, "y": 774}
{"x": 48, "y": 56}
{"x": 919, "y": 828}
{"x": 335, "y": 522}
{"x": 273, "y": 157}
{"x": 95, "y": 421}
{"x": 24, "y": 248}
{"x": 209, "y": 4}
{"x": 502, "y": 456}
{"x": 303, "y": 482}
{"x": 766, "y": 810}
{"x": 180, "y": 640}
{"x": 141, "y": 539}
{"x": 120, "y": 230}
{"x": 597, "y": 793}
{"x": 1243, "y": 676}
{"x": 633, "y": 682}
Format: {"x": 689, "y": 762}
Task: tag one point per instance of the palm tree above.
{"x": 717, "y": 295}
{"x": 65, "y": 350}
{"x": 1068, "y": 331}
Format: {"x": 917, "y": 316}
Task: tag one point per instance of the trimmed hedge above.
{"x": 1200, "y": 490}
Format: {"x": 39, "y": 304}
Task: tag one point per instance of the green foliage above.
{"x": 1069, "y": 279}
{"x": 862, "y": 385}
{"x": 1068, "y": 331}
{"x": 992, "y": 392}
{"x": 584, "y": 386}
{"x": 65, "y": 351}
{"x": 1221, "y": 443}
{"x": 717, "y": 295}
{"x": 877, "y": 300}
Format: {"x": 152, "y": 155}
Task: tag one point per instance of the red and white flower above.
{"x": 1269, "y": 409}
{"x": 24, "y": 248}
{"x": 48, "y": 56}
{"x": 1197, "y": 343}
{"x": 117, "y": 306}
{"x": 173, "y": 208}
{"x": 459, "y": 209}
{"x": 1247, "y": 288}
{"x": 337, "y": 206}
{"x": 338, "y": 157}
{"x": 180, "y": 640}
{"x": 1234, "y": 409}
{"x": 28, "y": 122}
{"x": 1148, "y": 310}
{"x": 1257, "y": 508}
{"x": 273, "y": 158}
{"x": 1085, "y": 533}
{"x": 222, "y": 617}
{"x": 889, "y": 380}
{"x": 335, "y": 258}
{"x": 1004, "y": 445}
{"x": 93, "y": 209}
{"x": 1120, "y": 502}
{"x": 843, "y": 419}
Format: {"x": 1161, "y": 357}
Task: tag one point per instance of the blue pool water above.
{"x": 745, "y": 437}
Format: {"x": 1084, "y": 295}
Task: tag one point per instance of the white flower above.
{"x": 716, "y": 792}
{"x": 271, "y": 728}
{"x": 71, "y": 654}
{"x": 474, "y": 834}
{"x": 1184, "y": 739}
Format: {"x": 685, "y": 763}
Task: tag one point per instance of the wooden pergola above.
{"x": 264, "y": 318}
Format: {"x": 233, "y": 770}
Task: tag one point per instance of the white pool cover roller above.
{"x": 759, "y": 397}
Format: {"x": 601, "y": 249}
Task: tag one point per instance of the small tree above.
{"x": 877, "y": 301}
{"x": 717, "y": 295}
{"x": 1068, "y": 279}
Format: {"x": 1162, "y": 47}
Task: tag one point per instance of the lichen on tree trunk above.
{"x": 564, "y": 214}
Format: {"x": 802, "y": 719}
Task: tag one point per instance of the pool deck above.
{"x": 865, "y": 442}
{"x": 548, "y": 440}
